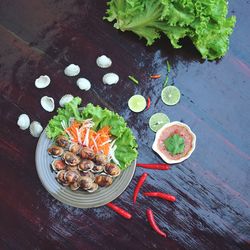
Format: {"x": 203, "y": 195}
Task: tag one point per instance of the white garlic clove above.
{"x": 72, "y": 70}
{"x": 103, "y": 61}
{"x": 42, "y": 82}
{"x": 48, "y": 103}
{"x": 36, "y": 129}
{"x": 110, "y": 78}
{"x": 23, "y": 121}
{"x": 65, "y": 99}
{"x": 83, "y": 84}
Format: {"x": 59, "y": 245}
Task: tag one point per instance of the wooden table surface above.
{"x": 212, "y": 187}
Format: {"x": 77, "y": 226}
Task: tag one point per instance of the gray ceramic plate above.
{"x": 79, "y": 199}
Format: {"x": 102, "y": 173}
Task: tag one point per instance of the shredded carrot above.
{"x": 98, "y": 140}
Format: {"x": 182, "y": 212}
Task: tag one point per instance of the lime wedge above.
{"x": 170, "y": 95}
{"x": 137, "y": 103}
{"x": 157, "y": 121}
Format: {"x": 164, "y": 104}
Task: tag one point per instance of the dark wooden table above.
{"x": 212, "y": 187}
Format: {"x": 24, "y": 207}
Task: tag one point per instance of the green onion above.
{"x": 168, "y": 67}
{"x": 133, "y": 79}
{"x": 165, "y": 84}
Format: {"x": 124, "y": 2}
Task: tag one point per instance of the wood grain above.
{"x": 212, "y": 187}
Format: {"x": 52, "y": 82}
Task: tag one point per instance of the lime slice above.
{"x": 157, "y": 121}
{"x": 137, "y": 103}
{"x": 170, "y": 95}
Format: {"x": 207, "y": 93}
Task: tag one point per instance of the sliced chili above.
{"x": 149, "y": 103}
{"x": 119, "y": 210}
{"x": 158, "y": 166}
{"x": 164, "y": 196}
{"x": 152, "y": 223}
{"x": 155, "y": 76}
{"x": 139, "y": 185}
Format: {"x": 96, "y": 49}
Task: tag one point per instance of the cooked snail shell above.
{"x": 71, "y": 176}
{"x": 86, "y": 165}
{"x": 88, "y": 174}
{"x": 85, "y": 182}
{"x": 112, "y": 169}
{"x": 87, "y": 153}
{"x": 55, "y": 150}
{"x": 71, "y": 159}
{"x": 97, "y": 169}
{"x": 75, "y": 148}
{"x": 60, "y": 178}
{"x": 58, "y": 165}
{"x": 103, "y": 180}
{"x": 74, "y": 186}
{"x": 93, "y": 188}
{"x": 101, "y": 159}
{"x": 62, "y": 141}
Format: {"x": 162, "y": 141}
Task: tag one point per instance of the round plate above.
{"x": 77, "y": 198}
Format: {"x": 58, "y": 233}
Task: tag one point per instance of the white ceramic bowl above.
{"x": 162, "y": 155}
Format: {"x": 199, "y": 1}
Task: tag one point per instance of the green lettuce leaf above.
{"x": 70, "y": 109}
{"x": 205, "y": 22}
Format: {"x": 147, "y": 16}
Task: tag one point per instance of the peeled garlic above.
{"x": 42, "y": 82}
{"x": 36, "y": 129}
{"x": 110, "y": 78}
{"x": 83, "y": 84}
{"x": 23, "y": 121}
{"x": 72, "y": 70}
{"x": 65, "y": 99}
{"x": 48, "y": 103}
{"x": 103, "y": 61}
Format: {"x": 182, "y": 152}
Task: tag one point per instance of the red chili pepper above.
{"x": 149, "y": 103}
{"x": 158, "y": 166}
{"x": 164, "y": 196}
{"x": 120, "y": 211}
{"x": 152, "y": 223}
{"x": 155, "y": 76}
{"x": 139, "y": 185}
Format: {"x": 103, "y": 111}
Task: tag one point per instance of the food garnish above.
{"x": 137, "y": 103}
{"x": 23, "y": 121}
{"x": 83, "y": 84}
{"x": 119, "y": 210}
{"x": 110, "y": 78}
{"x": 36, "y": 128}
{"x": 165, "y": 84}
{"x": 42, "y": 82}
{"x": 170, "y": 95}
{"x": 157, "y": 121}
{"x": 139, "y": 185}
{"x": 72, "y": 70}
{"x": 153, "y": 224}
{"x": 155, "y": 76}
{"x": 204, "y": 22}
{"x": 65, "y": 99}
{"x": 148, "y": 103}
{"x": 156, "y": 166}
{"x": 48, "y": 103}
{"x": 164, "y": 196}
{"x": 103, "y": 61}
{"x": 133, "y": 79}
{"x": 175, "y": 144}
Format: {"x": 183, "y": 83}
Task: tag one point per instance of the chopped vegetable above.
{"x": 133, "y": 79}
{"x": 158, "y": 166}
{"x": 203, "y": 21}
{"x": 164, "y": 196}
{"x": 168, "y": 67}
{"x": 139, "y": 185}
{"x": 175, "y": 144}
{"x": 148, "y": 103}
{"x": 155, "y": 76}
{"x": 119, "y": 210}
{"x": 152, "y": 223}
